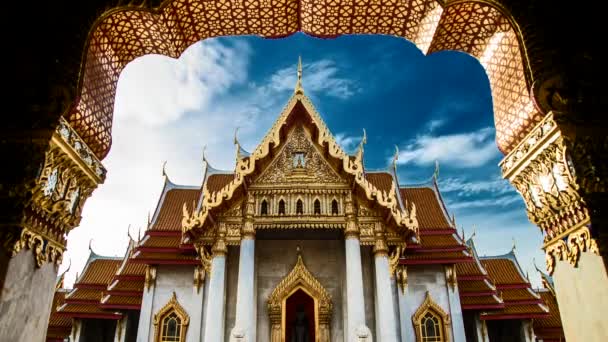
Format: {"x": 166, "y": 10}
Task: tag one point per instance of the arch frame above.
{"x": 430, "y": 305}
{"x": 300, "y": 278}
{"x": 171, "y": 306}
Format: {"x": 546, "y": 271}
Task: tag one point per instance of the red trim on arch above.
{"x": 435, "y": 261}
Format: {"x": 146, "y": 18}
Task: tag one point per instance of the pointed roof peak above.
{"x": 299, "y": 89}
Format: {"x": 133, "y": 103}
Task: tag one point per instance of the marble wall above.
{"x": 170, "y": 278}
{"x": 26, "y": 298}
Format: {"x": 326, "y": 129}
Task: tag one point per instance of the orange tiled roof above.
{"x": 129, "y": 285}
{"x": 165, "y": 256}
{"x": 434, "y": 255}
{"x": 383, "y": 181}
{"x": 170, "y": 213}
{"x": 518, "y": 294}
{"x": 518, "y": 310}
{"x": 438, "y": 241}
{"x": 56, "y": 320}
{"x": 162, "y": 241}
{"x": 122, "y": 300}
{"x": 217, "y": 181}
{"x": 83, "y": 308}
{"x": 468, "y": 269}
{"x": 133, "y": 269}
{"x": 428, "y": 209}
{"x": 554, "y": 320}
{"x": 481, "y": 300}
{"x": 99, "y": 271}
{"x": 503, "y": 271}
{"x": 84, "y": 294}
{"x": 473, "y": 285}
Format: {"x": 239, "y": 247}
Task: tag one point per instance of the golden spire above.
{"x": 299, "y": 88}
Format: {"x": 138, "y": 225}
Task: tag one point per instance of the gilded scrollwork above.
{"x": 570, "y": 249}
{"x": 541, "y": 170}
{"x": 69, "y": 174}
{"x": 401, "y": 277}
{"x": 150, "y": 276}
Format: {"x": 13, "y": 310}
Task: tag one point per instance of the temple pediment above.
{"x": 298, "y": 162}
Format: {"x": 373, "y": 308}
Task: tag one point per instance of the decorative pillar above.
{"x": 386, "y": 326}
{"x": 146, "y": 315}
{"x": 458, "y": 334}
{"x": 216, "y": 298}
{"x": 406, "y": 308}
{"x": 357, "y": 330}
{"x": 32, "y": 246}
{"x": 245, "y": 321}
{"x": 560, "y": 171}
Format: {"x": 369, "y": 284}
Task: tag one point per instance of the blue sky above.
{"x": 434, "y": 108}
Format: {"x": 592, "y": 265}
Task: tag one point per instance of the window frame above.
{"x": 172, "y": 307}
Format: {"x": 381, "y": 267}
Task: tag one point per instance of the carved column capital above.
{"x": 219, "y": 247}
{"x": 555, "y": 174}
{"x": 380, "y": 246}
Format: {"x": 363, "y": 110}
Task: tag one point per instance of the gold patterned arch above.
{"x": 429, "y": 305}
{"x": 171, "y": 306}
{"x": 299, "y": 278}
{"x": 482, "y": 29}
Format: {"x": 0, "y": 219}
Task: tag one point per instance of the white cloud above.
{"x": 434, "y": 124}
{"x": 502, "y": 201}
{"x": 318, "y": 77}
{"x": 464, "y": 187}
{"x": 464, "y": 150}
{"x": 156, "y": 90}
{"x": 347, "y": 142}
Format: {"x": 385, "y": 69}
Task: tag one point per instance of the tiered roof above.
{"x": 520, "y": 300}
{"x": 549, "y": 329}
{"x": 124, "y": 292}
{"x": 477, "y": 291}
{"x": 162, "y": 241}
{"x": 439, "y": 241}
{"x": 84, "y": 300}
{"x": 59, "y": 326}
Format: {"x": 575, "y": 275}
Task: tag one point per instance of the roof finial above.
{"x": 474, "y": 231}
{"x": 205, "y": 157}
{"x": 436, "y": 172}
{"x": 148, "y": 223}
{"x": 165, "y": 168}
{"x": 513, "y": 248}
{"x": 129, "y": 232}
{"x": 299, "y": 83}
{"x": 236, "y": 132}
{"x": 139, "y": 235}
{"x": 462, "y": 228}
{"x": 90, "y": 245}
{"x": 396, "y": 157}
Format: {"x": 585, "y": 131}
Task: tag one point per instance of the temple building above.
{"x": 299, "y": 242}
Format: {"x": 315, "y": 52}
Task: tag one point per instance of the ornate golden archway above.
{"x": 483, "y": 29}
{"x": 299, "y": 278}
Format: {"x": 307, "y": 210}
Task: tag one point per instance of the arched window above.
{"x": 334, "y": 207}
{"x": 264, "y": 208}
{"x": 430, "y": 322}
{"x": 317, "y": 206}
{"x": 299, "y": 207}
{"x": 281, "y": 207}
{"x": 431, "y": 327}
{"x": 171, "y": 322}
{"x": 171, "y": 329}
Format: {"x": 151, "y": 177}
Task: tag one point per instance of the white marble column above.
{"x": 216, "y": 297}
{"x": 355, "y": 305}
{"x": 457, "y": 321}
{"x": 146, "y": 315}
{"x": 386, "y": 325}
{"x": 245, "y": 322}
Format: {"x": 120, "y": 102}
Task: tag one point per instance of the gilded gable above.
{"x": 299, "y": 161}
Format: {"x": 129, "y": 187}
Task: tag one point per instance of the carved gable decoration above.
{"x": 299, "y": 161}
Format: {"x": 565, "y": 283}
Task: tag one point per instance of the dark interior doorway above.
{"x": 300, "y": 318}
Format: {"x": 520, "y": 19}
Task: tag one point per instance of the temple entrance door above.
{"x": 300, "y": 318}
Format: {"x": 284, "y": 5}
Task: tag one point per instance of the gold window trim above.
{"x": 171, "y": 306}
{"x": 426, "y": 306}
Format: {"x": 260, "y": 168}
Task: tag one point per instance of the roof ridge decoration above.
{"x": 404, "y": 217}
